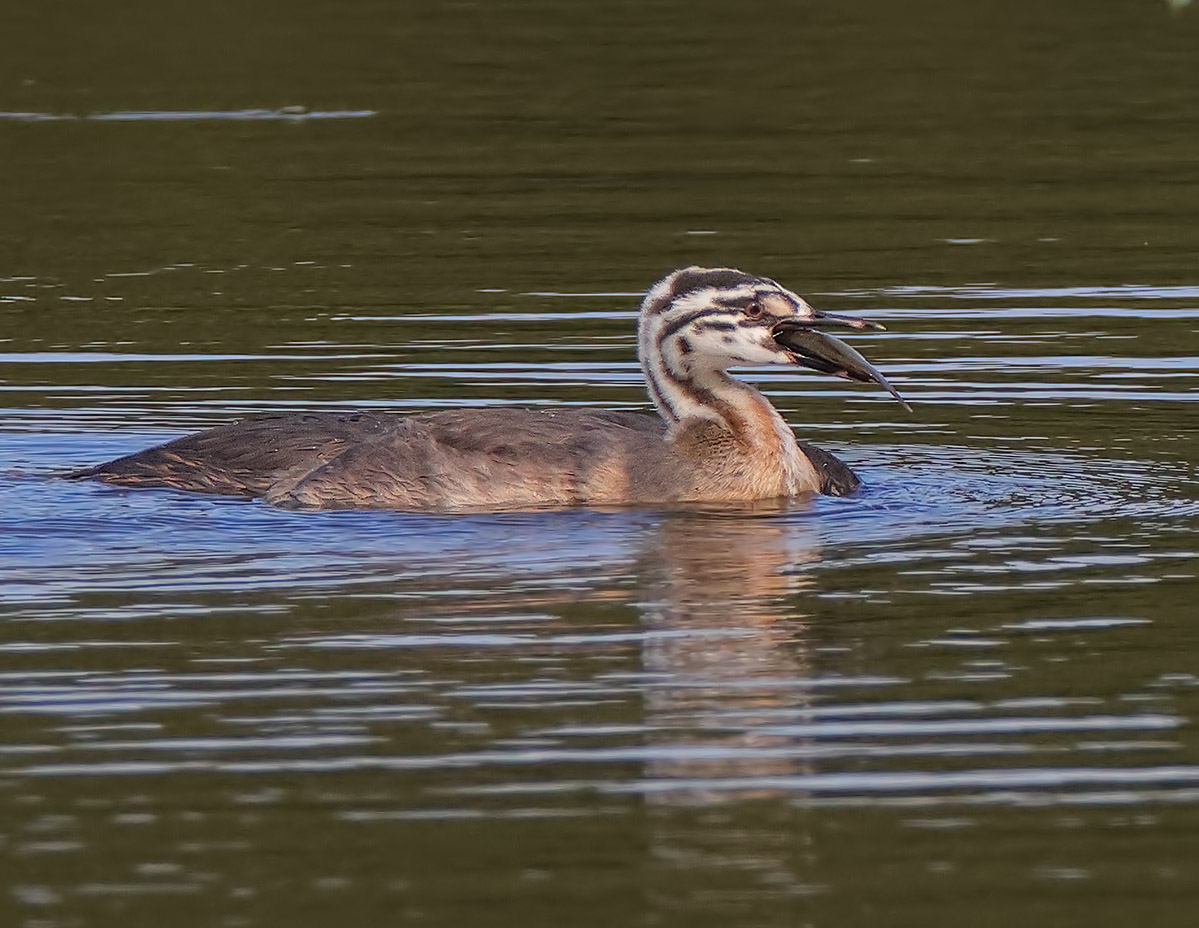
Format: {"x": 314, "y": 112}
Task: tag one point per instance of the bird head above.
{"x": 701, "y": 320}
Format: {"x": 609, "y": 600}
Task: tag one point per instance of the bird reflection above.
{"x": 727, "y": 657}
{"x": 725, "y": 650}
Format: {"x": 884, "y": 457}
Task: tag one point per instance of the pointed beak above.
{"x": 822, "y": 320}
{"x": 813, "y": 348}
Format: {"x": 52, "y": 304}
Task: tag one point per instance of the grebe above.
{"x": 715, "y": 439}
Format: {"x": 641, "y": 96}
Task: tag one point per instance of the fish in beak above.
{"x": 802, "y": 338}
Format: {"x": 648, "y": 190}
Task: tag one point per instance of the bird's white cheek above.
{"x": 717, "y": 345}
{"x": 769, "y": 354}
{"x": 735, "y": 348}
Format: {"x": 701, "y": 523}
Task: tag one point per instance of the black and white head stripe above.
{"x": 720, "y": 287}
{"x": 702, "y": 278}
{"x": 698, "y": 322}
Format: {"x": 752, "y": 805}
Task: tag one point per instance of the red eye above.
{"x": 754, "y": 310}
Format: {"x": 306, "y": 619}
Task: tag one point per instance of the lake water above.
{"x": 967, "y": 694}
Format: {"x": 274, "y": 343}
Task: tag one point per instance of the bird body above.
{"x": 715, "y": 439}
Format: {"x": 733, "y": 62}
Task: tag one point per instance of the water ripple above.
{"x": 286, "y": 114}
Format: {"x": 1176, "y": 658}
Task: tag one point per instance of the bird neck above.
{"x": 684, "y": 390}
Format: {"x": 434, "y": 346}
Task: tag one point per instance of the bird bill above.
{"x": 821, "y": 352}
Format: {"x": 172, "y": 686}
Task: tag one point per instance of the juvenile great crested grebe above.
{"x": 715, "y": 439}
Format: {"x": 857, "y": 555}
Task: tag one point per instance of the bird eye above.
{"x": 754, "y": 310}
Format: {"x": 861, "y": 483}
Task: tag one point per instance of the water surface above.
{"x": 965, "y": 695}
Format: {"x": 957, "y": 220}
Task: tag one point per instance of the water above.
{"x": 965, "y": 695}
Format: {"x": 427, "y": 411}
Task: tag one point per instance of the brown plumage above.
{"x": 715, "y": 439}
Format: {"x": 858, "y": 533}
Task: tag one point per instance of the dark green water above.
{"x": 967, "y": 695}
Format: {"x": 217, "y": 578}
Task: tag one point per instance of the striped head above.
{"x": 698, "y": 322}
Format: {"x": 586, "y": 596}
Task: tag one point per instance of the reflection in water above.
{"x": 725, "y": 648}
{"x": 727, "y": 655}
